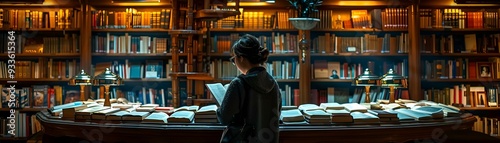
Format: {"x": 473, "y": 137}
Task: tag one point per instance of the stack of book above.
{"x": 206, "y": 114}
{"x": 360, "y": 117}
{"x": 385, "y": 116}
{"x": 338, "y": 112}
{"x": 317, "y": 117}
{"x": 156, "y": 117}
{"x": 292, "y": 116}
{"x": 183, "y": 116}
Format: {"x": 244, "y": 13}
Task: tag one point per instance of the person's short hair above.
{"x": 248, "y": 46}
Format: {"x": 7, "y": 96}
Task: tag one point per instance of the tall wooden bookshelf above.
{"x": 191, "y": 45}
{"x": 48, "y": 52}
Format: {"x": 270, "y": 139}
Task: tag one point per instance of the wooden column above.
{"x": 414, "y": 79}
{"x": 85, "y": 50}
{"x": 305, "y": 71}
{"x": 175, "y": 15}
{"x": 175, "y": 68}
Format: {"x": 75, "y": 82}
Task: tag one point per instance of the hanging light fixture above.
{"x": 304, "y": 22}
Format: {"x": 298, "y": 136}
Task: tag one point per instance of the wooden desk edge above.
{"x": 293, "y": 133}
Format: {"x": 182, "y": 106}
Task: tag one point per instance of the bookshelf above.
{"x": 187, "y": 37}
{"x": 48, "y": 52}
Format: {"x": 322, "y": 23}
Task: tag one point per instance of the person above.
{"x": 485, "y": 72}
{"x": 257, "y": 89}
{"x": 334, "y": 75}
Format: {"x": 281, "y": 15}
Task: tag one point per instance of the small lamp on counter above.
{"x": 392, "y": 80}
{"x": 82, "y": 79}
{"x": 107, "y": 79}
{"x": 367, "y": 79}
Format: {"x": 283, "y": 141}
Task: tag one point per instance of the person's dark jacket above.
{"x": 264, "y": 105}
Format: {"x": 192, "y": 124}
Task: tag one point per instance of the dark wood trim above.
{"x": 414, "y": 60}
{"x": 305, "y": 68}
{"x": 85, "y": 44}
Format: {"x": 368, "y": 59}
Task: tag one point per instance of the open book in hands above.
{"x": 218, "y": 91}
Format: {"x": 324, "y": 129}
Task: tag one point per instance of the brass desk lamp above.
{"x": 367, "y": 79}
{"x": 82, "y": 79}
{"x": 107, "y": 79}
{"x": 392, "y": 80}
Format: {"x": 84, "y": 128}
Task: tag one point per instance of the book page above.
{"x": 218, "y": 91}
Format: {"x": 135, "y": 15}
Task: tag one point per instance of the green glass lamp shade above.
{"x": 107, "y": 78}
{"x": 81, "y": 79}
{"x": 366, "y": 79}
{"x": 392, "y": 79}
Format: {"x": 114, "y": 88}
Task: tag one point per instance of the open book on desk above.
{"x": 218, "y": 91}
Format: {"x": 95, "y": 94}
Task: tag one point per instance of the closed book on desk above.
{"x": 341, "y": 112}
{"x": 206, "y": 112}
{"x": 383, "y": 114}
{"x": 317, "y": 116}
{"x": 360, "y": 117}
{"x": 101, "y": 115}
{"x": 331, "y": 106}
{"x": 292, "y": 116}
{"x": 70, "y": 113}
{"x": 181, "y": 117}
{"x": 340, "y": 116}
{"x": 309, "y": 107}
{"x": 193, "y": 108}
{"x": 122, "y": 106}
{"x": 415, "y": 115}
{"x": 156, "y": 117}
{"x": 116, "y": 116}
{"x": 135, "y": 116}
{"x": 355, "y": 107}
{"x": 145, "y": 109}
{"x": 392, "y": 106}
{"x": 86, "y": 114}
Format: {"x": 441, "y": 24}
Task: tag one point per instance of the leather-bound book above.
{"x": 181, "y": 117}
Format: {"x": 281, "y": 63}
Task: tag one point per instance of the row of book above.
{"x": 465, "y": 94}
{"x": 388, "y": 18}
{"x": 24, "y": 125}
{"x": 458, "y": 18}
{"x": 111, "y": 43}
{"x": 135, "y": 70}
{"x": 276, "y": 43}
{"x": 347, "y": 113}
{"x": 43, "y": 68}
{"x": 257, "y": 20}
{"x": 369, "y": 43}
{"x": 457, "y": 43}
{"x": 489, "y": 126}
{"x": 45, "y": 19}
{"x": 131, "y": 18}
{"x": 69, "y": 43}
{"x": 461, "y": 68}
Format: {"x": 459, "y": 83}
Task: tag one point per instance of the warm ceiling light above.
{"x": 270, "y": 1}
{"x": 134, "y": 1}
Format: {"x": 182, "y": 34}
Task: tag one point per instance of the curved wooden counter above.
{"x": 56, "y": 130}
